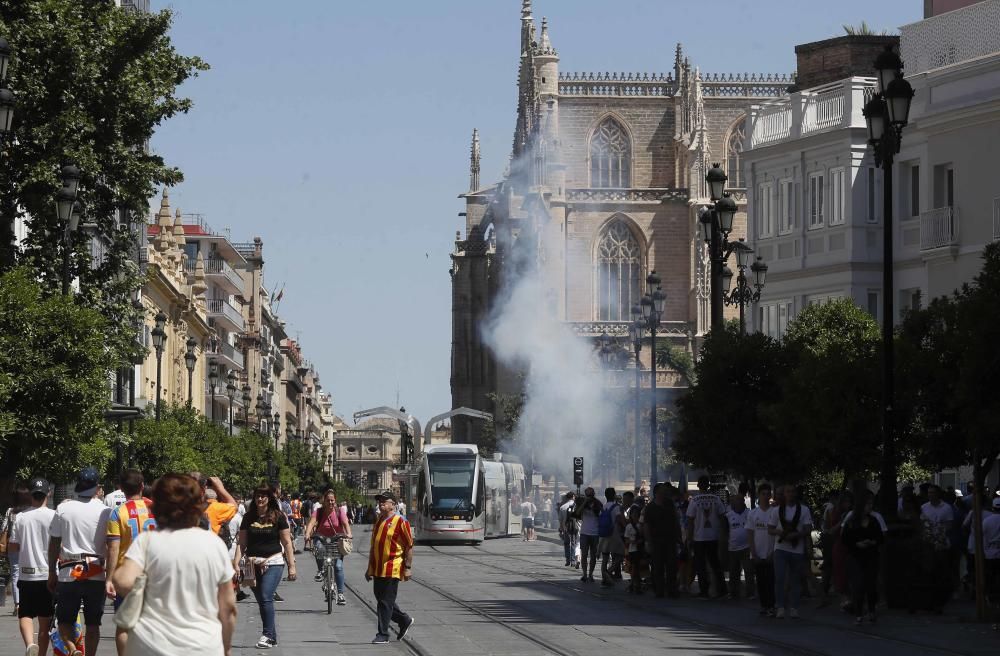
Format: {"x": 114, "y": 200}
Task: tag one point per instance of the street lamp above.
{"x": 886, "y": 113}
{"x": 246, "y": 406}
{"x": 745, "y": 293}
{"x": 159, "y": 339}
{"x": 635, "y": 329}
{"x": 68, "y": 211}
{"x": 213, "y": 380}
{"x": 647, "y": 315}
{"x": 190, "y": 360}
{"x": 231, "y": 393}
{"x": 716, "y": 224}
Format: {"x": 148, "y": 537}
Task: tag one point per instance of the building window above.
{"x": 774, "y": 318}
{"x": 816, "y": 208}
{"x": 618, "y": 272}
{"x": 765, "y": 211}
{"x": 373, "y": 480}
{"x": 734, "y": 155}
{"x": 836, "y": 196}
{"x": 610, "y": 156}
{"x": 914, "y": 191}
{"x": 873, "y": 304}
{"x": 871, "y": 188}
{"x": 786, "y": 206}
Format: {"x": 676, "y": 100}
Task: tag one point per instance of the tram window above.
{"x": 421, "y": 491}
{"x": 481, "y": 496}
{"x": 451, "y": 482}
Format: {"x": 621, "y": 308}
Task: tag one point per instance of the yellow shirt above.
{"x": 391, "y": 539}
{"x": 127, "y": 521}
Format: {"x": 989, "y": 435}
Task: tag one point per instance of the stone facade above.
{"x": 831, "y": 60}
{"x": 596, "y": 154}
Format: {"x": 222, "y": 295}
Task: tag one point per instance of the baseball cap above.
{"x": 87, "y": 482}
{"x": 386, "y": 494}
{"x": 38, "y": 486}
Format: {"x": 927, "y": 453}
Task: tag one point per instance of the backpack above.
{"x": 226, "y": 535}
{"x": 605, "y": 522}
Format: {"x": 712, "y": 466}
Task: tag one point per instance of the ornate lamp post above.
{"x": 246, "y": 407}
{"x": 213, "y": 380}
{"x": 276, "y": 428}
{"x": 190, "y": 361}
{"x": 159, "y": 339}
{"x": 716, "y": 224}
{"x": 635, "y": 336}
{"x": 649, "y": 315}
{"x": 887, "y": 113}
{"x": 68, "y": 211}
{"x": 744, "y": 294}
{"x": 231, "y": 393}
{"x": 259, "y": 407}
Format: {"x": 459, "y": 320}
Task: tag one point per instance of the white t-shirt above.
{"x": 875, "y": 514}
{"x": 528, "y": 510}
{"x": 706, "y": 512}
{"x": 630, "y": 538}
{"x": 938, "y": 514}
{"x": 758, "y": 521}
{"x": 115, "y": 499}
{"x": 180, "y": 615}
{"x": 83, "y": 528}
{"x": 588, "y": 521}
{"x": 234, "y": 530}
{"x": 805, "y": 519}
{"x": 991, "y": 536}
{"x": 31, "y": 534}
{"x": 739, "y": 539}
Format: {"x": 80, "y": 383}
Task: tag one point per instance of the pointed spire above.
{"x": 526, "y": 10}
{"x": 474, "y": 162}
{"x": 544, "y": 44}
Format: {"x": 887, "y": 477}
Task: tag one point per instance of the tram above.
{"x": 458, "y": 496}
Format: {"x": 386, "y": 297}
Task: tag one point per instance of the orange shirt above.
{"x": 391, "y": 539}
{"x": 219, "y": 513}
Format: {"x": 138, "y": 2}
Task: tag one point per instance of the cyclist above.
{"x": 329, "y": 520}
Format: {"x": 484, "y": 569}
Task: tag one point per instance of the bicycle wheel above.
{"x": 330, "y": 595}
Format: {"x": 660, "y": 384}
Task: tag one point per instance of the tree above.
{"x": 92, "y": 82}
{"x": 864, "y": 29}
{"x": 506, "y": 413}
{"x": 721, "y": 422}
{"x": 831, "y": 400}
{"x": 54, "y": 367}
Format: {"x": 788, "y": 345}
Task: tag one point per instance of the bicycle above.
{"x": 331, "y": 552}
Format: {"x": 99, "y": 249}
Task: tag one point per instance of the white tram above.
{"x": 457, "y": 496}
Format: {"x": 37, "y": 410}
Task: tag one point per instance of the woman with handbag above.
{"x": 176, "y": 580}
{"x": 330, "y": 521}
{"x": 266, "y": 541}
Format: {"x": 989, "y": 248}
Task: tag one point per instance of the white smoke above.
{"x": 567, "y": 411}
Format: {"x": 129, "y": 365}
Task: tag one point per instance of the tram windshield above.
{"x": 451, "y": 481}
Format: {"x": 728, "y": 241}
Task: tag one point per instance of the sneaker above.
{"x": 793, "y": 613}
{"x": 584, "y": 578}
{"x": 278, "y": 597}
{"x": 403, "y": 628}
{"x": 341, "y": 600}
{"x": 318, "y": 578}
{"x": 240, "y": 595}
{"x": 380, "y": 640}
{"x": 780, "y": 614}
{"x": 32, "y": 650}
{"x": 266, "y": 643}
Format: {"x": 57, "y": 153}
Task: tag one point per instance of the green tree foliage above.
{"x": 830, "y": 407}
{"x": 864, "y": 29}
{"x": 720, "y": 425}
{"x": 676, "y": 358}
{"x": 92, "y": 82}
{"x": 54, "y": 367}
{"x": 506, "y": 407}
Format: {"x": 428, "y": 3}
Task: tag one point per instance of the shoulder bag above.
{"x": 346, "y": 545}
{"x": 128, "y": 614}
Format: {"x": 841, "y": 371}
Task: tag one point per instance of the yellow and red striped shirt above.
{"x": 391, "y": 539}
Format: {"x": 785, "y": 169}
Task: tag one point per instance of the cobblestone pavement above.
{"x": 508, "y": 598}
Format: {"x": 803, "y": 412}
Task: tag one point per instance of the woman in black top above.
{"x": 265, "y": 538}
{"x": 862, "y": 535}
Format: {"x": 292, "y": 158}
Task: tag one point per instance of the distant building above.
{"x": 367, "y": 453}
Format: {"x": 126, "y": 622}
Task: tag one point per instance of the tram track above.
{"x": 701, "y": 624}
{"x": 409, "y": 645}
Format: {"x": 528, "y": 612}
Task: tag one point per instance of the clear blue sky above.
{"x": 338, "y": 131}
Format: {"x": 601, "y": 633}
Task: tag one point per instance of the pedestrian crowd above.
{"x": 717, "y": 543}
{"x": 173, "y": 558}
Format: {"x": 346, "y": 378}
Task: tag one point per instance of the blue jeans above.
{"x": 788, "y": 566}
{"x": 338, "y": 564}
{"x": 263, "y": 592}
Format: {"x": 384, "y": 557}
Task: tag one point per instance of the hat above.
{"x": 38, "y": 486}
{"x": 211, "y": 494}
{"x": 87, "y": 482}
{"x": 386, "y": 494}
{"x": 996, "y": 503}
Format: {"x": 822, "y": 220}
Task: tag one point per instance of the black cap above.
{"x": 87, "y": 482}
{"x": 386, "y": 494}
{"x": 38, "y": 486}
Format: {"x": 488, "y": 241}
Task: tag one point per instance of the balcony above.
{"x": 812, "y": 111}
{"x": 219, "y": 270}
{"x": 956, "y": 36}
{"x": 939, "y": 230}
{"x": 220, "y": 309}
{"x": 234, "y": 357}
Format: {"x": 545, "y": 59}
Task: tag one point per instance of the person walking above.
{"x": 761, "y": 544}
{"x": 662, "y": 532}
{"x": 862, "y": 535}
{"x": 329, "y": 520}
{"x": 21, "y": 501}
{"x": 739, "y": 547}
{"x": 188, "y": 603}
{"x": 791, "y": 523}
{"x": 126, "y": 522}
{"x": 29, "y": 543}
{"x": 78, "y": 552}
{"x": 390, "y": 561}
{"x": 569, "y": 529}
{"x": 610, "y": 529}
{"x": 588, "y": 511}
{"x": 266, "y": 541}
{"x": 706, "y": 512}
{"x": 528, "y": 510}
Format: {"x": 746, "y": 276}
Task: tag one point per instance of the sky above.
{"x": 338, "y": 131}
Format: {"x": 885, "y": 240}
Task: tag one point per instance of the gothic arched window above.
{"x": 734, "y": 155}
{"x": 618, "y": 271}
{"x": 610, "y": 156}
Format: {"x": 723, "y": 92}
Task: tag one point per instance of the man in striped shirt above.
{"x": 390, "y": 561}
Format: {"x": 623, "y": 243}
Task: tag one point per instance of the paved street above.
{"x": 512, "y": 598}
